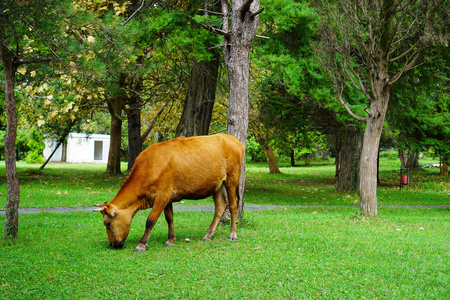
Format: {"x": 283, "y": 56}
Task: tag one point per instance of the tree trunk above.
{"x": 199, "y": 100}
{"x": 236, "y": 51}
{"x": 292, "y": 156}
{"x": 60, "y": 142}
{"x": 369, "y": 154}
{"x": 271, "y": 159}
{"x": 12, "y": 179}
{"x": 410, "y": 161}
{"x": 134, "y": 133}
{"x": 115, "y": 108}
{"x": 350, "y": 156}
{"x": 413, "y": 160}
{"x": 444, "y": 166}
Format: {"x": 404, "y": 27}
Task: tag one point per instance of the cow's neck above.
{"x": 127, "y": 199}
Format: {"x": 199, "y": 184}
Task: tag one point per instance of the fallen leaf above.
{"x": 421, "y": 228}
{"x": 257, "y": 248}
{"x": 187, "y": 240}
{"x": 398, "y": 229}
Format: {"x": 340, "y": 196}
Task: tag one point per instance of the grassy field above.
{"x": 326, "y": 252}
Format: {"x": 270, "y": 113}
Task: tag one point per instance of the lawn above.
{"x": 325, "y": 252}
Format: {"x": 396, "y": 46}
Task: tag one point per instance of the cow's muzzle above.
{"x": 115, "y": 245}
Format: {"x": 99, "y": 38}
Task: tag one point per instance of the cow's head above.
{"x": 117, "y": 223}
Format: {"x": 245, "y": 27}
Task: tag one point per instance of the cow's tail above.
{"x": 238, "y": 196}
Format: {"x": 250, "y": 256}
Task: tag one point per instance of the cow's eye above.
{"x": 108, "y": 225}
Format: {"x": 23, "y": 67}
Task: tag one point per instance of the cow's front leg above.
{"x": 151, "y": 221}
{"x": 168, "y": 213}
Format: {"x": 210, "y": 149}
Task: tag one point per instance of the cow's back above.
{"x": 190, "y": 168}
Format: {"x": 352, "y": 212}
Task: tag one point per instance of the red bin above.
{"x": 404, "y": 179}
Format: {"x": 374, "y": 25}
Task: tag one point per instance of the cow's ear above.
{"x": 110, "y": 210}
{"x": 107, "y": 209}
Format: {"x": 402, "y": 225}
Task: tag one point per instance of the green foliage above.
{"x": 420, "y": 107}
{"x": 254, "y": 150}
{"x": 36, "y": 147}
{"x": 391, "y": 155}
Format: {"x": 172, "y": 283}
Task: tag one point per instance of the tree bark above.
{"x": 444, "y": 166}
{"x": 200, "y": 98}
{"x": 237, "y": 44}
{"x": 372, "y": 135}
{"x": 12, "y": 179}
{"x": 134, "y": 133}
{"x": 115, "y": 108}
{"x": 350, "y": 156}
{"x": 271, "y": 159}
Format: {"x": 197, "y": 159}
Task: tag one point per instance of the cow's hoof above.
{"x": 138, "y": 250}
{"x": 233, "y": 239}
{"x": 168, "y": 244}
{"x": 206, "y": 240}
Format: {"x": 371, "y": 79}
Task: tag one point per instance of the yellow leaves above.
{"x": 40, "y": 123}
{"x": 22, "y": 70}
{"x": 120, "y": 10}
{"x": 90, "y": 39}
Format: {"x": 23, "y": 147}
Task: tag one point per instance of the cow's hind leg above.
{"x": 233, "y": 203}
{"x": 220, "y": 205}
{"x": 168, "y": 213}
{"x": 151, "y": 221}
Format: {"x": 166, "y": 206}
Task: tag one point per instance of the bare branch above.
{"x": 211, "y": 12}
{"x": 262, "y": 37}
{"x": 258, "y": 12}
{"x": 150, "y": 127}
{"x": 215, "y": 30}
{"x": 408, "y": 66}
{"x": 350, "y": 112}
{"x": 42, "y": 39}
{"x": 406, "y": 52}
{"x": 131, "y": 17}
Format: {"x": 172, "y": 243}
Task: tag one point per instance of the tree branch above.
{"x": 258, "y": 12}
{"x": 136, "y": 11}
{"x": 42, "y": 39}
{"x": 215, "y": 30}
{"x": 210, "y": 12}
{"x": 350, "y": 112}
{"x": 150, "y": 127}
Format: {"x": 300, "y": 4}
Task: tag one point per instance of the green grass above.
{"x": 86, "y": 185}
{"x": 295, "y": 253}
{"x": 326, "y": 252}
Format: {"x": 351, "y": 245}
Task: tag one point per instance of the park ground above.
{"x": 314, "y": 245}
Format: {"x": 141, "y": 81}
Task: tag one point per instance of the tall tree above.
{"x": 239, "y": 24}
{"x": 236, "y": 45}
{"x": 373, "y": 44}
{"x": 28, "y": 35}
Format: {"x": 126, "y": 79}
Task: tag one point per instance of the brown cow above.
{"x": 182, "y": 168}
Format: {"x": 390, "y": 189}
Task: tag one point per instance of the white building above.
{"x": 81, "y": 147}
